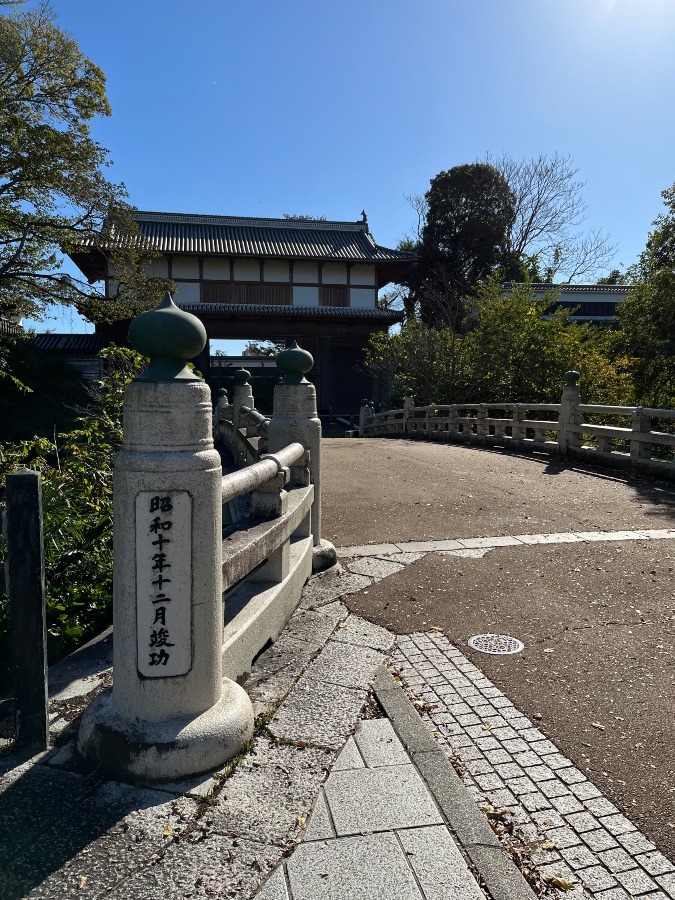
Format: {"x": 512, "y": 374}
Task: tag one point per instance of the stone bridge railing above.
{"x": 198, "y": 594}
{"x": 639, "y": 439}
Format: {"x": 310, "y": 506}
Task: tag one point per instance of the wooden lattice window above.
{"x": 233, "y": 292}
{"x": 334, "y": 296}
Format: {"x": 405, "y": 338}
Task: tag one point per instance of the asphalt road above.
{"x": 598, "y": 620}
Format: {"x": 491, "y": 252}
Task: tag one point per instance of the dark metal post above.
{"x": 25, "y": 576}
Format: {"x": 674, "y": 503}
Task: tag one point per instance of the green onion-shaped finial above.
{"x": 170, "y": 337}
{"x": 241, "y": 377}
{"x": 294, "y": 363}
{"x": 571, "y": 378}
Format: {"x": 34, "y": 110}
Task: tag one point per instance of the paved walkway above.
{"x": 375, "y": 831}
{"x": 422, "y": 786}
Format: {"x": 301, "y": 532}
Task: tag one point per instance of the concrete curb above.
{"x": 468, "y": 824}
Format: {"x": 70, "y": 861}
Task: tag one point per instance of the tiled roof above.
{"x": 277, "y": 238}
{"x": 68, "y": 343}
{"x": 541, "y": 287}
{"x": 320, "y": 312}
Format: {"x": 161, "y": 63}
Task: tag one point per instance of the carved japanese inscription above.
{"x": 164, "y": 583}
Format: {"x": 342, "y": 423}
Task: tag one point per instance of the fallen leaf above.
{"x": 548, "y": 845}
{"x": 500, "y": 813}
{"x": 436, "y": 628}
{"x": 168, "y": 831}
{"x": 81, "y": 881}
{"x": 557, "y": 881}
{"x": 302, "y": 821}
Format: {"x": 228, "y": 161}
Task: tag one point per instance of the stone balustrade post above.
{"x": 453, "y": 420}
{"x": 518, "y": 425}
{"x": 641, "y": 425}
{"x": 295, "y": 418}
{"x": 569, "y": 417}
{"x": 242, "y": 395}
{"x": 364, "y": 413}
{"x": 223, "y": 409}
{"x": 408, "y": 407}
{"x": 482, "y": 428}
{"x": 170, "y": 713}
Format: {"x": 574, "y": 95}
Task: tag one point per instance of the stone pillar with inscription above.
{"x": 170, "y": 713}
{"x": 295, "y": 419}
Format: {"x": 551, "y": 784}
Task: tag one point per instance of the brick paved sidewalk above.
{"x": 550, "y": 816}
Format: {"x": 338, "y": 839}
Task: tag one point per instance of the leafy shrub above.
{"x": 77, "y": 513}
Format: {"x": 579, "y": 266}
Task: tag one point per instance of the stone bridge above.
{"x": 576, "y": 562}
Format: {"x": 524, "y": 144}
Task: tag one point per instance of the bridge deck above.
{"x": 597, "y": 617}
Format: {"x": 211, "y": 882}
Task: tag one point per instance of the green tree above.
{"x": 522, "y": 346}
{"x": 518, "y": 349}
{"x": 467, "y": 213}
{"x": 647, "y": 317}
{"x": 54, "y": 196}
{"x": 430, "y": 361}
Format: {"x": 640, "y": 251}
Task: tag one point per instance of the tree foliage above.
{"x": 76, "y": 473}
{"x": 50, "y": 398}
{"x": 468, "y": 211}
{"x": 518, "y": 349}
{"x": 54, "y": 196}
{"x": 647, "y": 317}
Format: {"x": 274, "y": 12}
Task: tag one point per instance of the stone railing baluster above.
{"x": 242, "y": 395}
{"x": 518, "y": 425}
{"x": 482, "y": 428}
{"x": 569, "y": 417}
{"x": 295, "y": 419}
{"x": 170, "y": 713}
{"x": 641, "y": 425}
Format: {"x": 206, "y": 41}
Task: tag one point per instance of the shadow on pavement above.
{"x": 48, "y": 816}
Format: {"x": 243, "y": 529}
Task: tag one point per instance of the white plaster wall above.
{"x": 187, "y": 293}
{"x": 362, "y": 275}
{"x": 362, "y": 298}
{"x": 216, "y": 268}
{"x": 246, "y": 270}
{"x": 305, "y": 296}
{"x": 306, "y": 272}
{"x": 185, "y": 267}
{"x": 157, "y": 268}
{"x": 276, "y": 270}
{"x": 334, "y": 273}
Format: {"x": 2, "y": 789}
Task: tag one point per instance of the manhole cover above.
{"x": 495, "y": 643}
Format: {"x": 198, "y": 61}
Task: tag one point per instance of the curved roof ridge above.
{"x": 251, "y": 221}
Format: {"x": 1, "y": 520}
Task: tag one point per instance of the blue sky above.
{"x": 287, "y": 106}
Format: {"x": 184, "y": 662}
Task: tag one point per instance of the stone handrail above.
{"x": 559, "y": 429}
{"x": 253, "y": 418}
{"x": 192, "y": 607}
{"x": 261, "y": 473}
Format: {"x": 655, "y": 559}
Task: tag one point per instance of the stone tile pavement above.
{"x": 277, "y": 825}
{"x": 375, "y": 832}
